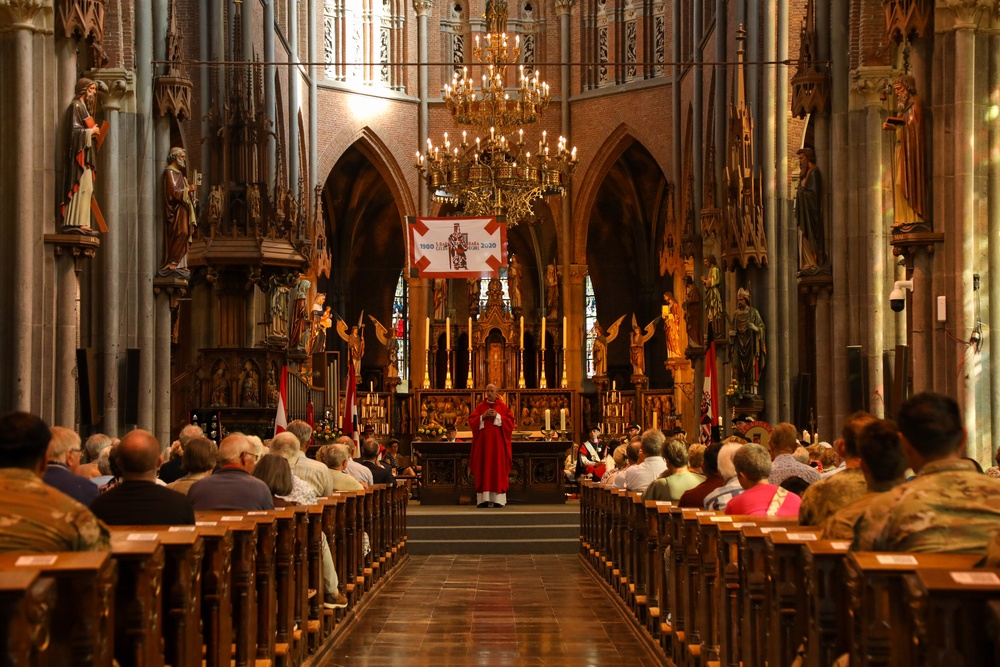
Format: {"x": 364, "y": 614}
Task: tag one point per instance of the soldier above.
{"x": 821, "y": 500}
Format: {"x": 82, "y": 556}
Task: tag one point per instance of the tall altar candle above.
{"x": 447, "y": 333}
{"x": 564, "y": 334}
{"x": 656, "y": 418}
{"x": 562, "y": 419}
{"x": 522, "y": 332}
{"x": 543, "y": 332}
{"x": 614, "y": 385}
{"x": 427, "y": 333}
{"x": 548, "y": 419}
{"x": 470, "y": 334}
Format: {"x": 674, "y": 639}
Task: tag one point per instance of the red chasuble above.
{"x": 491, "y": 455}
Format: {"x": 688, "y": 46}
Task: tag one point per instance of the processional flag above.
{"x": 281, "y": 418}
{"x": 350, "y": 424}
{"x": 456, "y": 247}
{"x": 709, "y": 394}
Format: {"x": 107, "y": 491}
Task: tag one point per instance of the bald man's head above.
{"x": 138, "y": 454}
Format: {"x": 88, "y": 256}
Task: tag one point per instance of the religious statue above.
{"x": 748, "y": 350}
{"x": 713, "y": 297}
{"x": 277, "y": 310}
{"x": 910, "y": 174}
{"x": 601, "y": 340}
{"x": 637, "y": 345}
{"x": 179, "y": 219}
{"x": 78, "y": 198}
{"x": 692, "y": 311}
{"x": 249, "y": 387}
{"x": 809, "y": 212}
{"x": 300, "y": 318}
{"x": 388, "y": 339}
{"x": 215, "y": 204}
{"x": 514, "y": 282}
{"x": 322, "y": 321}
{"x": 552, "y": 290}
{"x": 671, "y": 313}
{"x": 220, "y": 387}
{"x": 440, "y": 299}
{"x": 253, "y": 205}
{"x": 475, "y": 290}
{"x": 273, "y": 393}
{"x": 355, "y": 339}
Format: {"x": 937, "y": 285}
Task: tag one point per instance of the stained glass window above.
{"x": 400, "y": 327}
{"x": 589, "y": 321}
{"x": 484, "y": 292}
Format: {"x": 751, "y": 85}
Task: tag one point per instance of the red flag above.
{"x": 350, "y": 424}
{"x": 709, "y": 394}
{"x": 281, "y": 418}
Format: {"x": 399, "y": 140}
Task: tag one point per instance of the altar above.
{"x": 536, "y": 475}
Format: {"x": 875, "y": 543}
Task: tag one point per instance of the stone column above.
{"x": 564, "y": 8}
{"x": 676, "y": 135}
{"x": 314, "y": 73}
{"x": 294, "y": 81}
{"x": 573, "y": 310}
{"x": 204, "y": 94}
{"x": 68, "y": 292}
{"x": 839, "y": 172}
{"x": 166, "y": 292}
{"x": 119, "y": 84}
{"x": 767, "y": 124}
{"x": 423, "y": 10}
{"x": 146, "y": 232}
{"x": 993, "y": 217}
{"x": 786, "y": 246}
{"x": 825, "y": 354}
{"x": 270, "y": 97}
{"x": 23, "y": 19}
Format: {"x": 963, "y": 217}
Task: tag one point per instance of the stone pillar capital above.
{"x": 869, "y": 84}
{"x": 423, "y": 7}
{"x": 564, "y": 7}
{"x": 964, "y": 14}
{"x": 33, "y": 15}
{"x": 116, "y": 87}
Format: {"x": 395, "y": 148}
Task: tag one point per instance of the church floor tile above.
{"x": 491, "y": 610}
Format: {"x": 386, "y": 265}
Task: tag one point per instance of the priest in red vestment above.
{"x": 492, "y": 424}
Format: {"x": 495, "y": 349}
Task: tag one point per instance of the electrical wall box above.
{"x": 942, "y": 308}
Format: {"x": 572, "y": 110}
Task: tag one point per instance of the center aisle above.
{"x": 491, "y": 610}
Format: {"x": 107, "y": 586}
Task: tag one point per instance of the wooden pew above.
{"x": 267, "y": 588}
{"x": 667, "y": 594}
{"x": 947, "y": 609}
{"x": 654, "y": 566}
{"x": 84, "y": 612}
{"x": 881, "y": 629}
{"x": 786, "y": 577}
{"x": 138, "y": 601}
{"x": 328, "y": 524}
{"x": 315, "y": 580}
{"x": 638, "y": 587}
{"x": 26, "y": 602}
{"x": 284, "y": 563}
{"x": 826, "y": 592}
{"x": 216, "y": 608}
{"x": 707, "y": 601}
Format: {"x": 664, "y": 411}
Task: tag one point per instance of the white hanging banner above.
{"x": 457, "y": 247}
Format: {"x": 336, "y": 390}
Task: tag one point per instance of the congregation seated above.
{"x": 308, "y": 470}
{"x": 104, "y": 468}
{"x": 783, "y": 443}
{"x": 677, "y": 479}
{"x": 92, "y": 449}
{"x": 369, "y": 459}
{"x": 139, "y": 500}
{"x": 37, "y": 517}
{"x": 232, "y": 486}
{"x": 759, "y": 497}
{"x": 949, "y": 507}
{"x": 173, "y": 468}
{"x": 650, "y": 466}
{"x": 337, "y": 458}
{"x": 199, "y": 459}
{"x": 63, "y": 459}
{"x": 833, "y": 492}
{"x": 713, "y": 479}
{"x": 696, "y": 457}
{"x": 619, "y": 454}
{"x": 884, "y": 467}
{"x": 355, "y": 469}
{"x": 286, "y": 446}
{"x": 273, "y": 470}
{"x": 720, "y": 497}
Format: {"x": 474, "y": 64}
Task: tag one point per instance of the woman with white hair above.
{"x": 718, "y": 499}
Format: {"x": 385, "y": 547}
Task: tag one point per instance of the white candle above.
{"x": 447, "y": 333}
{"x": 562, "y": 419}
{"x": 543, "y": 332}
{"x": 614, "y": 385}
{"x": 371, "y": 387}
{"x": 427, "y": 333}
{"x": 548, "y": 417}
{"x": 656, "y": 419}
{"x": 805, "y": 436}
{"x": 522, "y": 332}
{"x": 816, "y": 438}
{"x": 470, "y": 334}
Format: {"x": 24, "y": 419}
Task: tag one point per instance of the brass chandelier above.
{"x": 497, "y": 173}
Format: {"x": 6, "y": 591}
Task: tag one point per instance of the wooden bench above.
{"x": 26, "y": 602}
{"x": 826, "y": 593}
{"x": 138, "y": 598}
{"x": 786, "y": 577}
{"x": 217, "y": 619}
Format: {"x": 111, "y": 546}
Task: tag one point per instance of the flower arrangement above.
{"x": 734, "y": 391}
{"x": 326, "y": 431}
{"x": 431, "y": 431}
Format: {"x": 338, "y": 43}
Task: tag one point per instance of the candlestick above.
{"x": 543, "y": 383}
{"x": 522, "y": 332}
{"x": 614, "y": 385}
{"x": 564, "y": 333}
{"x": 543, "y": 332}
{"x": 427, "y": 333}
{"x": 447, "y": 333}
{"x": 548, "y": 419}
{"x": 427, "y": 372}
{"x": 520, "y": 373}
{"x": 562, "y": 419}
{"x": 656, "y": 418}
{"x": 470, "y": 334}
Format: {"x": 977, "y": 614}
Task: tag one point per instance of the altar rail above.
{"x": 710, "y": 589}
{"x": 238, "y": 588}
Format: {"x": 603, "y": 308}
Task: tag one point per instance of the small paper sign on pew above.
{"x": 803, "y": 537}
{"x": 233, "y": 518}
{"x": 206, "y": 523}
{"x": 976, "y": 578}
{"x": 720, "y": 519}
{"x": 773, "y": 529}
{"x": 35, "y": 561}
{"x": 840, "y": 546}
{"x": 889, "y": 559}
{"x": 141, "y": 537}
{"x": 258, "y": 513}
{"x": 180, "y": 529}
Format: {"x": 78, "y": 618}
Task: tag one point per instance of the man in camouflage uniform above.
{"x": 884, "y": 468}
{"x": 949, "y": 507}
{"x": 33, "y": 515}
{"x": 822, "y": 500}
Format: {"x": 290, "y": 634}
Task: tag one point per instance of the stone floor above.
{"x": 491, "y": 610}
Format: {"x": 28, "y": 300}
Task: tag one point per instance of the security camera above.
{"x": 897, "y": 297}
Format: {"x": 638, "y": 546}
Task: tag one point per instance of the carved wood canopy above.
{"x": 811, "y": 82}
{"x": 906, "y": 19}
{"x": 83, "y": 19}
{"x": 173, "y": 90}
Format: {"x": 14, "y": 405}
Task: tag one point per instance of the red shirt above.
{"x": 755, "y": 501}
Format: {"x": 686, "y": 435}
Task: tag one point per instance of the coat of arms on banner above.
{"x": 457, "y": 247}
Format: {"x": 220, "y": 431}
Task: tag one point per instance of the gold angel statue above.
{"x": 601, "y": 340}
{"x": 387, "y": 338}
{"x": 637, "y": 345}
{"x": 355, "y": 339}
